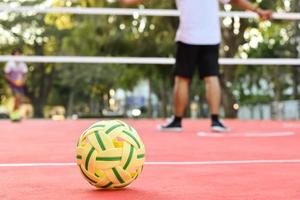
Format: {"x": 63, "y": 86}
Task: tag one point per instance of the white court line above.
{"x": 291, "y": 125}
{"x": 247, "y": 134}
{"x": 220, "y": 162}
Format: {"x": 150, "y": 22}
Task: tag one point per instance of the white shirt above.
{"x": 15, "y": 70}
{"x": 199, "y": 22}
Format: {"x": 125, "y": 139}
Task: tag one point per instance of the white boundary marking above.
{"x": 248, "y": 134}
{"x": 218, "y": 162}
{"x": 291, "y": 125}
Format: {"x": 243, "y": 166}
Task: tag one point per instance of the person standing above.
{"x": 15, "y": 75}
{"x": 198, "y": 38}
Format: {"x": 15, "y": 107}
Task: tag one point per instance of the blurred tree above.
{"x": 257, "y": 39}
{"x": 37, "y": 38}
{"x": 123, "y": 36}
{"x": 83, "y": 84}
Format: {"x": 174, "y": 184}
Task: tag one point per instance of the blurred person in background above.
{"x": 15, "y": 75}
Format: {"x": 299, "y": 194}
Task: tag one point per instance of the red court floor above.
{"x": 256, "y": 160}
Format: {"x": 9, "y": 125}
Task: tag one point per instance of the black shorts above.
{"x": 202, "y": 57}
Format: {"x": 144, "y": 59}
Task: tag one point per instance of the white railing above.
{"x": 138, "y": 60}
{"x": 130, "y": 11}
{"x": 144, "y": 60}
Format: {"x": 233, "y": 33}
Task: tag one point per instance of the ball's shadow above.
{"x": 130, "y": 192}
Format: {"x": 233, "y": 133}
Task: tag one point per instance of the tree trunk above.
{"x": 40, "y": 99}
{"x": 278, "y": 94}
{"x": 149, "y": 110}
{"x": 42, "y": 83}
{"x": 227, "y": 96}
{"x": 296, "y": 82}
{"x": 70, "y": 106}
{"x": 163, "y": 95}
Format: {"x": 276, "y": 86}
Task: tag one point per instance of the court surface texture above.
{"x": 256, "y": 160}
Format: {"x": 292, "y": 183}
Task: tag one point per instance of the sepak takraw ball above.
{"x": 110, "y": 154}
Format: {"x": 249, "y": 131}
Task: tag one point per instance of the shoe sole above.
{"x": 169, "y": 129}
{"x": 219, "y": 129}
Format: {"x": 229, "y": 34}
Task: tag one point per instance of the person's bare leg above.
{"x": 181, "y": 95}
{"x": 14, "y": 115}
{"x": 17, "y": 102}
{"x": 213, "y": 93}
{"x": 180, "y": 98}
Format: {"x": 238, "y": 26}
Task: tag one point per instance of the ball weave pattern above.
{"x": 110, "y": 154}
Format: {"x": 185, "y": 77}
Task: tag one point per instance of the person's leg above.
{"x": 213, "y": 96}
{"x": 186, "y": 58}
{"x": 209, "y": 72}
{"x": 213, "y": 93}
{"x": 180, "y": 99}
{"x": 180, "y": 95}
{"x": 18, "y": 94}
{"x": 17, "y": 101}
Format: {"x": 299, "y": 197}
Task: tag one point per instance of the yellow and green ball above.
{"x": 110, "y": 154}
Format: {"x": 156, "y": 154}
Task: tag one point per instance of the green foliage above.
{"x": 80, "y": 85}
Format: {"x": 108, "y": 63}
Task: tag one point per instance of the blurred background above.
{"x": 118, "y": 90}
